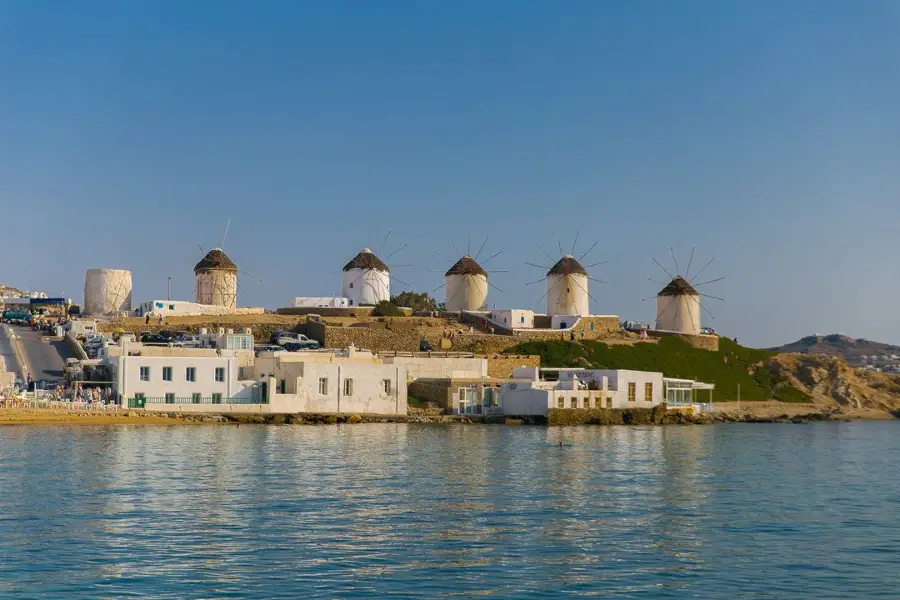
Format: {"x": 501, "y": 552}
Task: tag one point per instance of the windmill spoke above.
{"x": 586, "y": 252}
{"x": 653, "y": 280}
{"x": 666, "y": 271}
{"x": 710, "y": 281}
{"x": 545, "y": 252}
{"x": 597, "y": 280}
{"x": 494, "y": 286}
{"x": 442, "y": 256}
{"x": 535, "y": 281}
{"x": 691, "y": 313}
{"x": 602, "y": 262}
{"x": 384, "y": 241}
{"x": 469, "y": 245}
{"x": 396, "y": 251}
{"x": 537, "y": 266}
{"x": 674, "y": 260}
{"x": 497, "y": 271}
{"x": 559, "y": 243}
{"x": 481, "y": 248}
{"x": 703, "y": 269}
{"x": 492, "y": 257}
{"x": 438, "y": 287}
{"x": 687, "y": 272}
{"x": 401, "y": 282}
{"x": 584, "y": 289}
{"x": 707, "y": 311}
{"x": 713, "y": 297}
{"x": 575, "y": 241}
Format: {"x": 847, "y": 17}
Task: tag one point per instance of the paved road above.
{"x": 45, "y": 360}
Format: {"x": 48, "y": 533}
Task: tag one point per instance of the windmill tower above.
{"x": 216, "y": 279}
{"x": 678, "y": 304}
{"x": 366, "y": 280}
{"x": 466, "y": 282}
{"x": 567, "y": 283}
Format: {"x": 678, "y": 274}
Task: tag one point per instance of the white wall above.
{"x": 368, "y": 391}
{"x": 678, "y": 313}
{"x": 323, "y": 302}
{"x": 127, "y": 375}
{"x": 173, "y": 308}
{"x": 513, "y": 318}
{"x": 465, "y": 292}
{"x": 365, "y": 286}
{"x": 567, "y": 295}
{"x": 617, "y": 385}
{"x": 439, "y": 367}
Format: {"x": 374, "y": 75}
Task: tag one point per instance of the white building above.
{"x": 366, "y": 280}
{"x": 169, "y": 376}
{"x": 513, "y": 318}
{"x": 346, "y": 381}
{"x": 322, "y": 302}
{"x": 180, "y": 308}
{"x": 592, "y": 389}
{"x": 567, "y": 288}
{"x": 678, "y": 307}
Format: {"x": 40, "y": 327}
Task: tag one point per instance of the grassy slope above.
{"x": 673, "y": 357}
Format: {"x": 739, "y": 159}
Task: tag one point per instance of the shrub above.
{"x": 386, "y": 308}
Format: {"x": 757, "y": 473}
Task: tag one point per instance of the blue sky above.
{"x": 765, "y": 133}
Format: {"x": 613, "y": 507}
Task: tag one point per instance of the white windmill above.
{"x": 678, "y": 305}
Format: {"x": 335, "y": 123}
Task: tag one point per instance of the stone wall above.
{"x": 501, "y": 366}
{"x": 607, "y": 416}
{"x": 703, "y": 342}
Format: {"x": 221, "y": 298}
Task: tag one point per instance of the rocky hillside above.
{"x": 848, "y": 348}
{"x": 829, "y": 380}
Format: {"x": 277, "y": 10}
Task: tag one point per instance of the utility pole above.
{"x": 169, "y": 290}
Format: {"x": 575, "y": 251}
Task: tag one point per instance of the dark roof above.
{"x": 215, "y": 259}
{"x": 366, "y": 260}
{"x": 466, "y": 266}
{"x": 567, "y": 265}
{"x": 678, "y": 287}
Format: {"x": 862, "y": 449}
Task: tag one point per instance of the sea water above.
{"x": 425, "y": 511}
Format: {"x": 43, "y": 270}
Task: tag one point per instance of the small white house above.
{"x": 513, "y": 318}
{"x": 596, "y": 388}
{"x": 323, "y": 302}
{"x": 177, "y": 308}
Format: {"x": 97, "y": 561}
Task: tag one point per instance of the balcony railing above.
{"x": 139, "y": 402}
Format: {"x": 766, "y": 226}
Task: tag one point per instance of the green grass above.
{"x": 415, "y": 402}
{"x": 674, "y": 358}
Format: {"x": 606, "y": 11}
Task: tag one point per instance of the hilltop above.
{"x": 843, "y": 346}
{"x": 761, "y": 374}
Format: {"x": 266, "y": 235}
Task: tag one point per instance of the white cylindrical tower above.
{"x": 107, "y": 291}
{"x": 567, "y": 288}
{"x": 216, "y": 280}
{"x": 678, "y": 307}
{"x": 465, "y": 285}
{"x": 366, "y": 280}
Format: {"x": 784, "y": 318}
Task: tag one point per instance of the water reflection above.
{"x": 424, "y": 511}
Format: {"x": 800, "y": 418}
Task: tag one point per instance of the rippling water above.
{"x": 413, "y": 511}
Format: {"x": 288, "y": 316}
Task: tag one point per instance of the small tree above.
{"x": 418, "y": 302}
{"x": 386, "y": 308}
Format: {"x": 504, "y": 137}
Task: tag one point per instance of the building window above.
{"x": 348, "y": 387}
{"x": 648, "y": 392}
{"x": 282, "y": 386}
{"x": 632, "y": 391}
{"x": 145, "y": 373}
{"x": 609, "y": 403}
{"x": 351, "y": 286}
{"x": 220, "y": 374}
{"x": 561, "y": 402}
{"x": 574, "y": 402}
{"x": 386, "y": 384}
{"x": 597, "y": 402}
{"x": 171, "y": 307}
{"x": 190, "y": 374}
{"x": 591, "y": 325}
{"x": 522, "y": 319}
{"x": 167, "y": 373}
{"x": 195, "y": 398}
{"x": 323, "y": 386}
{"x": 170, "y": 398}
{"x": 217, "y": 398}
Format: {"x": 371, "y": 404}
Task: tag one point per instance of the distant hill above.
{"x": 850, "y": 349}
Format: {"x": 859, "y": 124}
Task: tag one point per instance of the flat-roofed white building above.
{"x": 322, "y": 302}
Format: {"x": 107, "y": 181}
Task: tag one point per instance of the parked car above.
{"x": 425, "y": 346}
{"x": 282, "y": 338}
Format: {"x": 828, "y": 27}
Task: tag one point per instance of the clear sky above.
{"x": 765, "y": 133}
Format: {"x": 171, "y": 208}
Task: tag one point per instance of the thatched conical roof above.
{"x": 466, "y": 266}
{"x": 567, "y": 265}
{"x": 679, "y": 287}
{"x": 215, "y": 259}
{"x": 366, "y": 260}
